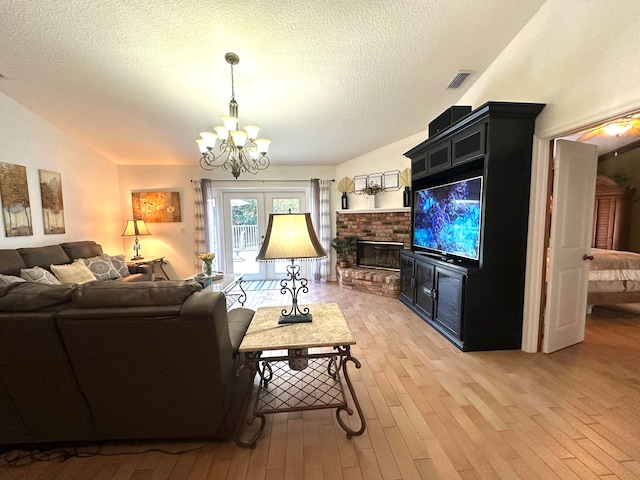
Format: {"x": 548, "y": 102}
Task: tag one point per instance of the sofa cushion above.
{"x": 11, "y": 262}
{"x": 101, "y": 267}
{"x": 82, "y": 249}
{"x": 112, "y": 293}
{"x": 120, "y": 264}
{"x": 28, "y": 296}
{"x": 76, "y": 273}
{"x": 39, "y": 275}
{"x": 44, "y": 256}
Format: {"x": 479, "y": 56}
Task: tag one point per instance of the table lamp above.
{"x": 291, "y": 236}
{"x": 136, "y": 228}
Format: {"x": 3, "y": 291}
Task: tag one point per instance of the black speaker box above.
{"x": 448, "y": 117}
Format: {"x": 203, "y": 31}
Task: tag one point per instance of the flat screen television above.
{"x": 446, "y": 218}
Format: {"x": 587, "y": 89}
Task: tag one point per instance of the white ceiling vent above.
{"x": 460, "y": 77}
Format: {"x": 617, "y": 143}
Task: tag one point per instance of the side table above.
{"x": 153, "y": 262}
{"x": 308, "y": 375}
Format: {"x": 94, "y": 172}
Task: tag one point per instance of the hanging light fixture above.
{"x": 240, "y": 152}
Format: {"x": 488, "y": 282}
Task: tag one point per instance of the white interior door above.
{"x": 574, "y": 183}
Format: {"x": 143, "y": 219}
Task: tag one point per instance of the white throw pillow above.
{"x": 76, "y": 272}
{"x": 7, "y": 279}
{"x": 102, "y": 267}
{"x": 39, "y": 275}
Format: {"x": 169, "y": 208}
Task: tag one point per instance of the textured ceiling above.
{"x": 327, "y": 80}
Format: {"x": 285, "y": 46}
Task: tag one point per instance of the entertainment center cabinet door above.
{"x": 425, "y": 276}
{"x": 448, "y": 311}
{"x": 469, "y": 144}
{"x": 407, "y": 281}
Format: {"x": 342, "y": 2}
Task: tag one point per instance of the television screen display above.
{"x": 447, "y": 218}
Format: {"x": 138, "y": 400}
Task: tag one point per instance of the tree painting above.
{"x": 52, "y": 206}
{"x": 14, "y": 192}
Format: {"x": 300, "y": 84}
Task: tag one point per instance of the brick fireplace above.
{"x": 384, "y": 225}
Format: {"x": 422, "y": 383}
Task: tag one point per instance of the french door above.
{"x": 245, "y": 220}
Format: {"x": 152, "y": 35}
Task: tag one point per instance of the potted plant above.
{"x": 343, "y": 247}
{"x": 372, "y": 190}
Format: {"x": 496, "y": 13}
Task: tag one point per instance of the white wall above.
{"x": 175, "y": 241}
{"x": 91, "y": 202}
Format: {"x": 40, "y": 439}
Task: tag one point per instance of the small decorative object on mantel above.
{"x": 346, "y": 185}
{"x": 372, "y": 190}
{"x": 207, "y": 263}
{"x": 405, "y": 181}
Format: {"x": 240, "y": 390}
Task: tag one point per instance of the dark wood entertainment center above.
{"x": 477, "y": 305}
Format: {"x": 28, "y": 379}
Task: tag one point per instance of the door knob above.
{"x": 587, "y": 257}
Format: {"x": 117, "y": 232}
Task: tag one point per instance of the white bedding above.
{"x": 611, "y": 265}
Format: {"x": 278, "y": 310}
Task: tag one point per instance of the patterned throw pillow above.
{"x": 102, "y": 267}
{"x": 39, "y": 275}
{"x": 120, "y": 264}
{"x": 76, "y": 273}
{"x": 7, "y": 279}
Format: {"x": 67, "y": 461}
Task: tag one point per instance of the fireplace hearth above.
{"x": 382, "y": 255}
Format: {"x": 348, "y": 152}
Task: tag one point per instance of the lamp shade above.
{"x": 135, "y": 228}
{"x": 289, "y": 236}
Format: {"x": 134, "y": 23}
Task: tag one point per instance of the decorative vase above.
{"x": 373, "y": 201}
{"x": 345, "y": 201}
{"x": 207, "y": 268}
{"x": 406, "y": 197}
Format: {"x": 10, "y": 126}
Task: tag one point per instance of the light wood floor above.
{"x": 432, "y": 412}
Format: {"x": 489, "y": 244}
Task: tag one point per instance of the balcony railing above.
{"x": 245, "y": 237}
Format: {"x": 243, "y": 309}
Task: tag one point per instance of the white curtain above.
{"x": 199, "y": 227}
{"x": 321, "y": 217}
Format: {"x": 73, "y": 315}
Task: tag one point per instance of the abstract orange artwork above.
{"x": 155, "y": 207}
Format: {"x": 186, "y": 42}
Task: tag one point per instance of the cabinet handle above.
{"x": 434, "y": 294}
{"x": 587, "y": 257}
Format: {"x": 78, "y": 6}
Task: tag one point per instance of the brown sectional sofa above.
{"x": 110, "y": 360}
{"x": 13, "y": 260}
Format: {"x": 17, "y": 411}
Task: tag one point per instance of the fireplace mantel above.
{"x": 376, "y": 210}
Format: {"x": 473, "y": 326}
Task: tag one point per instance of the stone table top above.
{"x": 329, "y": 328}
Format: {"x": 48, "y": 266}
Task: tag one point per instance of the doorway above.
{"x": 537, "y": 253}
{"x": 245, "y": 220}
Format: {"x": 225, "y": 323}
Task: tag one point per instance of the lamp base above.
{"x": 295, "y": 319}
{"x": 137, "y": 257}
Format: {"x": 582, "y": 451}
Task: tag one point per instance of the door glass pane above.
{"x": 245, "y": 236}
{"x": 284, "y": 205}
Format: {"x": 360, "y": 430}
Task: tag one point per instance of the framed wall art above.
{"x": 14, "y": 192}
{"x": 52, "y": 205}
{"x": 155, "y": 207}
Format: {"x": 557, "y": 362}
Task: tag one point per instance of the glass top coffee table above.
{"x": 224, "y": 283}
{"x": 301, "y": 366}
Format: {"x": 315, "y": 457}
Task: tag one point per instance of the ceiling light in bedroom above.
{"x": 240, "y": 152}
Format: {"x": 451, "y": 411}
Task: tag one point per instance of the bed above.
{"x": 614, "y": 277}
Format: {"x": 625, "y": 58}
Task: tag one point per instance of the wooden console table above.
{"x": 308, "y": 375}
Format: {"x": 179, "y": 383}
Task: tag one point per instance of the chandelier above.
{"x": 237, "y": 151}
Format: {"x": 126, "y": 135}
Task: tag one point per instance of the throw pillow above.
{"x": 102, "y": 267}
{"x": 76, "y": 272}
{"x": 120, "y": 264}
{"x": 7, "y": 279}
{"x": 39, "y": 275}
